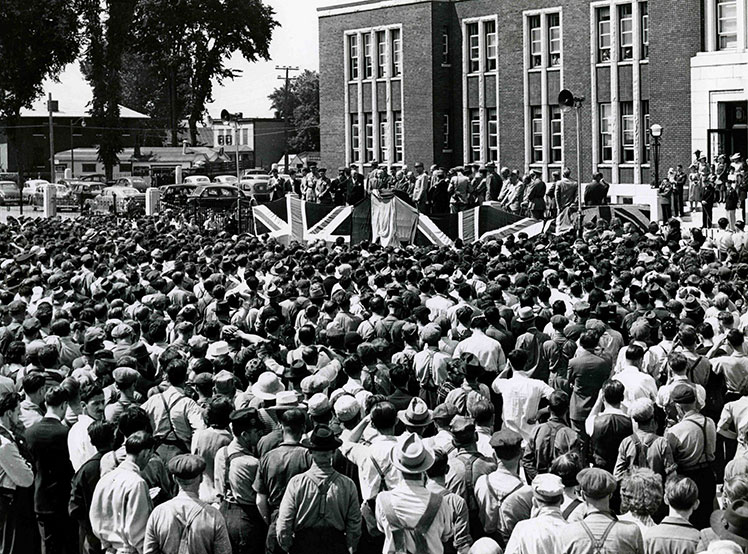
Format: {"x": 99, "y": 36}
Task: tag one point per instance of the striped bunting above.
{"x": 435, "y": 235}
{"x": 467, "y": 224}
{"x": 326, "y": 227}
{"x": 274, "y": 224}
{"x": 532, "y": 227}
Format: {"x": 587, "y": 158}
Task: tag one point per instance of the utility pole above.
{"x": 286, "y": 69}
{"x": 52, "y": 107}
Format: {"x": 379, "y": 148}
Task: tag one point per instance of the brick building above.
{"x": 458, "y": 81}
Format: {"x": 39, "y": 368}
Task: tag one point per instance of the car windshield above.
{"x": 8, "y": 187}
{"x": 122, "y": 191}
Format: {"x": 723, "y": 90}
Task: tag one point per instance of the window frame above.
{"x": 381, "y": 39}
{"x": 537, "y": 138}
{"x": 476, "y": 140}
{"x": 355, "y": 127}
{"x": 445, "y": 46}
{"x": 353, "y": 66}
{"x": 396, "y": 52}
{"x": 733, "y": 43}
{"x": 384, "y": 153}
{"x": 628, "y": 132}
{"x": 602, "y": 18}
{"x": 559, "y": 132}
{"x": 625, "y": 32}
{"x": 399, "y": 146}
{"x": 644, "y": 14}
{"x": 492, "y": 134}
{"x": 368, "y": 56}
{"x": 535, "y": 35}
{"x": 446, "y": 134}
{"x": 368, "y": 136}
{"x": 646, "y": 122}
{"x": 555, "y": 57}
{"x": 473, "y": 46}
{"x": 605, "y": 132}
{"x": 491, "y": 42}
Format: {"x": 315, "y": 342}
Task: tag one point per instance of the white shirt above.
{"x": 636, "y": 385}
{"x": 541, "y": 534}
{"x": 368, "y": 476}
{"x": 79, "y": 443}
{"x": 487, "y": 350}
{"x": 521, "y": 398}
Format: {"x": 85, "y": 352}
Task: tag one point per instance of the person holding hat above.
{"x": 320, "y": 510}
{"x": 277, "y": 467}
{"x": 693, "y": 442}
{"x": 413, "y": 518}
{"x": 543, "y": 532}
{"x": 186, "y": 523}
{"x": 235, "y": 470}
{"x": 121, "y": 503}
{"x": 600, "y": 531}
{"x": 465, "y": 469}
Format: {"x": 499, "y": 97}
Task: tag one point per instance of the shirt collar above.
{"x": 51, "y": 415}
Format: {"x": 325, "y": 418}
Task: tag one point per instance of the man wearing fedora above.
{"x": 600, "y": 532}
{"x": 412, "y": 517}
{"x": 320, "y": 510}
{"x": 730, "y": 524}
{"x": 234, "y": 471}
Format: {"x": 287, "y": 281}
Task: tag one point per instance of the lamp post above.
{"x": 232, "y": 119}
{"x": 567, "y": 101}
{"x": 82, "y": 121}
{"x": 655, "y": 131}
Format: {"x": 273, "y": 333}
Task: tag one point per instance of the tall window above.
{"x": 220, "y": 140}
{"x": 381, "y": 55}
{"x": 554, "y": 39}
{"x": 626, "y": 29}
{"x": 645, "y": 131}
{"x": 475, "y": 142}
{"x": 245, "y": 136}
{"x": 489, "y": 29}
{"x": 229, "y": 139}
{"x": 446, "y": 139}
{"x": 536, "y": 125}
{"x": 536, "y": 41}
{"x": 644, "y": 11}
{"x": 368, "y": 61}
{"x": 606, "y": 133}
{"x": 353, "y": 56}
{"x": 445, "y": 46}
{"x": 727, "y": 24}
{"x": 397, "y": 53}
{"x": 473, "y": 48}
{"x": 355, "y": 139}
{"x": 398, "y": 117}
{"x": 557, "y": 149}
{"x": 628, "y": 125}
{"x": 603, "y": 35}
{"x": 369, "y": 137}
{"x": 384, "y": 153}
{"x": 493, "y": 134}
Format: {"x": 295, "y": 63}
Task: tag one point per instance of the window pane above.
{"x": 536, "y": 126}
{"x": 446, "y": 142}
{"x": 445, "y": 46}
{"x": 727, "y": 24}
{"x": 368, "y": 62}
{"x": 556, "y": 135}
{"x": 603, "y": 35}
{"x": 398, "y": 136}
{"x": 536, "y": 41}
{"x": 626, "y": 27}
{"x": 489, "y": 28}
{"x": 627, "y": 131}
{"x": 473, "y": 48}
{"x": 493, "y": 134}
{"x": 554, "y": 39}
{"x": 353, "y": 56}
{"x": 384, "y": 154}
{"x": 606, "y": 134}
{"x": 645, "y": 130}
{"x": 354, "y": 139}
{"x": 397, "y": 68}
{"x": 381, "y": 55}
{"x": 644, "y": 10}
{"x": 475, "y": 138}
{"x": 369, "y": 137}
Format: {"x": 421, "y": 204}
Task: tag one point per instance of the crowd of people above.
{"x": 166, "y": 389}
{"x": 438, "y": 191}
{"x": 705, "y": 186}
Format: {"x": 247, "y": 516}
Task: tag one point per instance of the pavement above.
{"x": 28, "y": 211}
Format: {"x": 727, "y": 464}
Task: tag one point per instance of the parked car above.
{"x": 134, "y": 182}
{"x": 225, "y": 180}
{"x": 197, "y": 180}
{"x": 83, "y": 191}
{"x": 125, "y": 197}
{"x": 11, "y": 194}
{"x": 176, "y": 195}
{"x": 253, "y": 172}
{"x": 31, "y": 187}
{"x": 95, "y": 178}
{"x": 217, "y": 197}
{"x": 63, "y": 197}
{"x": 258, "y": 187}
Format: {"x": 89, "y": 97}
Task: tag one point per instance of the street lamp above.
{"x": 82, "y": 121}
{"x": 232, "y": 119}
{"x": 655, "y": 131}
{"x": 567, "y": 101}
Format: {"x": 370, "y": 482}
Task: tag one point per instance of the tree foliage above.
{"x": 302, "y": 109}
{"x": 37, "y": 39}
{"x": 193, "y": 40}
{"x": 107, "y": 30}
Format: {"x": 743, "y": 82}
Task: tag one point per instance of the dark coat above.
{"x": 53, "y": 472}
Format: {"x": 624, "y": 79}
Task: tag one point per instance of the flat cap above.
{"x": 121, "y": 330}
{"x": 224, "y": 382}
{"x": 683, "y": 394}
{"x": 431, "y": 333}
{"x": 17, "y": 307}
{"x": 596, "y": 483}
{"x": 247, "y": 416}
{"x": 445, "y": 412}
{"x": 505, "y": 437}
{"x": 186, "y": 466}
{"x": 125, "y": 376}
{"x": 463, "y": 430}
{"x": 312, "y": 384}
{"x": 548, "y": 487}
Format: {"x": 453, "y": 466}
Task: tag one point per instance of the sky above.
{"x": 295, "y": 43}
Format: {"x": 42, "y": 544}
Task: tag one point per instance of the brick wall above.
{"x": 431, "y": 89}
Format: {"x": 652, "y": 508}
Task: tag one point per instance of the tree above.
{"x": 302, "y": 110}
{"x": 38, "y": 39}
{"x": 107, "y": 27}
{"x": 192, "y": 41}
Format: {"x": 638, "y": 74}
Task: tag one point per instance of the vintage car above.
{"x": 217, "y": 197}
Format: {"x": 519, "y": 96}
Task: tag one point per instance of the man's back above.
{"x": 204, "y": 525}
{"x": 47, "y": 440}
{"x": 587, "y": 373}
{"x": 624, "y": 537}
{"x": 276, "y": 469}
{"x": 674, "y": 535}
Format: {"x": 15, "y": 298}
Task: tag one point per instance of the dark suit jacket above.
{"x": 587, "y": 373}
{"x": 53, "y": 472}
